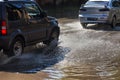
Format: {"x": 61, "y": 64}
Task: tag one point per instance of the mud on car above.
{"x": 24, "y": 23}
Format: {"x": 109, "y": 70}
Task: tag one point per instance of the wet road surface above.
{"x": 81, "y": 54}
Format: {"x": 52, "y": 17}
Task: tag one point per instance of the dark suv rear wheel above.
{"x": 54, "y": 36}
{"x": 16, "y": 48}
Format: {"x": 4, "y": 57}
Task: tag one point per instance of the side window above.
{"x": 13, "y": 12}
{"x": 32, "y": 10}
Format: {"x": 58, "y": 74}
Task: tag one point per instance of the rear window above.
{"x": 96, "y": 3}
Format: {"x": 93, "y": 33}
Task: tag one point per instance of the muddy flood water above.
{"x": 81, "y": 54}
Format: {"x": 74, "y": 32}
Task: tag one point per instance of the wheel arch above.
{"x": 20, "y": 36}
{"x": 48, "y": 41}
{"x": 17, "y": 36}
{"x": 55, "y": 29}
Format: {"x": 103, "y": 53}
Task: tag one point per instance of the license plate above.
{"x": 92, "y": 19}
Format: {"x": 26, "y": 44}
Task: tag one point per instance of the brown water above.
{"x": 82, "y": 54}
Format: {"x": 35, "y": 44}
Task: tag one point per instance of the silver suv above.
{"x": 100, "y": 11}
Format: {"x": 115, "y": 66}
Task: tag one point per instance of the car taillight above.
{"x": 104, "y": 9}
{"x": 3, "y": 28}
{"x": 82, "y": 9}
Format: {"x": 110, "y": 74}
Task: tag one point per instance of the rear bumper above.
{"x": 102, "y": 18}
{"x": 4, "y": 42}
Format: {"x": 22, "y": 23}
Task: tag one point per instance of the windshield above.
{"x": 96, "y": 3}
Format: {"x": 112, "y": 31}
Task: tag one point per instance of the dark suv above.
{"x": 24, "y": 23}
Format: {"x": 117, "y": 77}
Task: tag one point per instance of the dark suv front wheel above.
{"x": 54, "y": 36}
{"x": 16, "y": 48}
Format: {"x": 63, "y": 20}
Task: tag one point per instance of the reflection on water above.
{"x": 105, "y": 70}
{"x": 54, "y": 73}
{"x": 80, "y": 73}
{"x": 84, "y": 72}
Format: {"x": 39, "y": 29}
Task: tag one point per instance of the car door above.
{"x": 15, "y": 19}
{"x": 36, "y": 26}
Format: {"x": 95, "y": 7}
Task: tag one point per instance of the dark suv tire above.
{"x": 54, "y": 36}
{"x": 16, "y": 48}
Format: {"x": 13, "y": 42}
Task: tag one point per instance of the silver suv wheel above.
{"x": 84, "y": 25}
{"x": 113, "y": 25}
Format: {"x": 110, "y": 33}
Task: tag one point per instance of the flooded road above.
{"x": 81, "y": 54}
